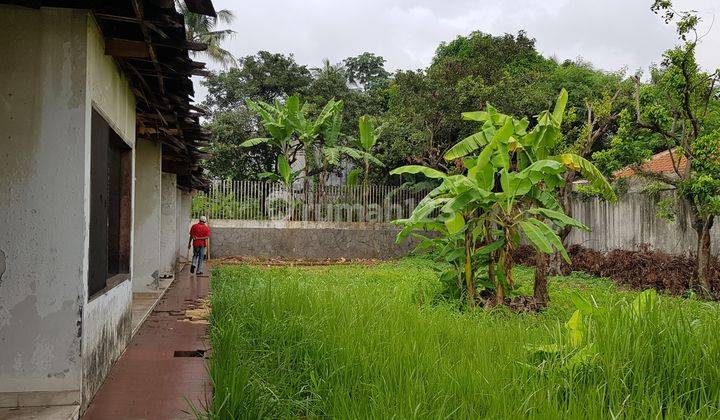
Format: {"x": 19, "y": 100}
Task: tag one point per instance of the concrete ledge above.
{"x": 286, "y": 224}
{"x": 56, "y": 412}
{"x": 39, "y": 398}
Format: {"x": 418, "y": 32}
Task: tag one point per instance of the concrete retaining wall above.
{"x": 631, "y": 222}
{"x": 312, "y": 240}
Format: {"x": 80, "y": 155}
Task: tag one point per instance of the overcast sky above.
{"x": 611, "y": 34}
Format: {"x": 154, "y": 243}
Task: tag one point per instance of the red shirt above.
{"x": 200, "y": 230}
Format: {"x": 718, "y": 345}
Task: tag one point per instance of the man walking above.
{"x": 199, "y": 238}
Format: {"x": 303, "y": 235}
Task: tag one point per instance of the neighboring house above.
{"x": 338, "y": 176}
{"x": 663, "y": 162}
{"x": 98, "y": 162}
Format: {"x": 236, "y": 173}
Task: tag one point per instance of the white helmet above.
{"x": 203, "y": 219}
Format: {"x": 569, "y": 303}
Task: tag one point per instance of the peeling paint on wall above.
{"x": 2, "y": 266}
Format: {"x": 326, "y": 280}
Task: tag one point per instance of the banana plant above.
{"x": 290, "y": 128}
{"x": 275, "y": 118}
{"x": 363, "y": 150}
{"x": 309, "y": 130}
{"x": 284, "y": 173}
{"x": 526, "y": 147}
{"x": 332, "y": 151}
{"x": 504, "y": 195}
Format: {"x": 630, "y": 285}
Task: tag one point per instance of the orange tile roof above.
{"x": 660, "y": 163}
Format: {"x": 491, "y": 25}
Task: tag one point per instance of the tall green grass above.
{"x": 378, "y": 342}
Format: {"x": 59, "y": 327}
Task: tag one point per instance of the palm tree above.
{"x": 201, "y": 28}
{"x": 329, "y": 70}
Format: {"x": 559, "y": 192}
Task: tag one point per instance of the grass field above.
{"x": 381, "y": 342}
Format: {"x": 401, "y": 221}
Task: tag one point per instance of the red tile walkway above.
{"x": 148, "y": 382}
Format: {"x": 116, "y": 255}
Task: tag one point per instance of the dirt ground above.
{"x": 284, "y": 262}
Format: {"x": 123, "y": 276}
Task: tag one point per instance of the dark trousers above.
{"x": 198, "y": 257}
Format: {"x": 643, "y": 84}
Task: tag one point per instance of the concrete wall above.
{"x": 633, "y": 221}
{"x": 312, "y": 240}
{"x": 55, "y": 344}
{"x": 146, "y": 247}
{"x": 184, "y": 206}
{"x": 168, "y": 228}
{"x": 44, "y": 168}
{"x": 107, "y": 317}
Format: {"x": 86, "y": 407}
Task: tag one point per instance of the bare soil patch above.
{"x": 295, "y": 262}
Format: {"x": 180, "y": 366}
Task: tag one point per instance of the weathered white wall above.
{"x": 168, "y": 229}
{"x": 186, "y": 219}
{"x": 633, "y": 221}
{"x": 107, "y": 317}
{"x": 146, "y": 246}
{"x": 184, "y": 202}
{"x": 44, "y": 167}
{"x": 51, "y": 337}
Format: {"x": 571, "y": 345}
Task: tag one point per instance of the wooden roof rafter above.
{"x": 148, "y": 42}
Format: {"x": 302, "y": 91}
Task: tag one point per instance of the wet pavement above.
{"x": 164, "y": 366}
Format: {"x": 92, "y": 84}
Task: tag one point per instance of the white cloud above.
{"x": 612, "y": 34}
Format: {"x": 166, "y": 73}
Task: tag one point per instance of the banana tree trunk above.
{"x": 499, "y": 288}
{"x": 469, "y": 280}
{"x": 704, "y": 255}
{"x": 540, "y": 288}
{"x": 555, "y": 261}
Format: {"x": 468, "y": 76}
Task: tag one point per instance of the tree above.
{"x": 503, "y": 193}
{"x": 425, "y": 106}
{"x": 366, "y": 71}
{"x": 678, "y": 111}
{"x": 264, "y": 77}
{"x": 292, "y": 131}
{"x": 261, "y": 77}
{"x": 201, "y": 28}
{"x": 309, "y": 130}
{"x": 331, "y": 81}
{"x": 601, "y": 119}
{"x": 228, "y": 160}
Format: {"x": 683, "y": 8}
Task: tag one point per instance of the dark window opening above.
{"x": 110, "y": 207}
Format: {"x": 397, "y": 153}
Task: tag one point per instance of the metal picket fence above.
{"x": 258, "y": 200}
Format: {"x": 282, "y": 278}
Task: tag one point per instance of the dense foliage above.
{"x": 420, "y": 109}
{"x": 507, "y": 71}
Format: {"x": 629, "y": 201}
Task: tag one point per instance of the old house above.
{"x": 98, "y": 160}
